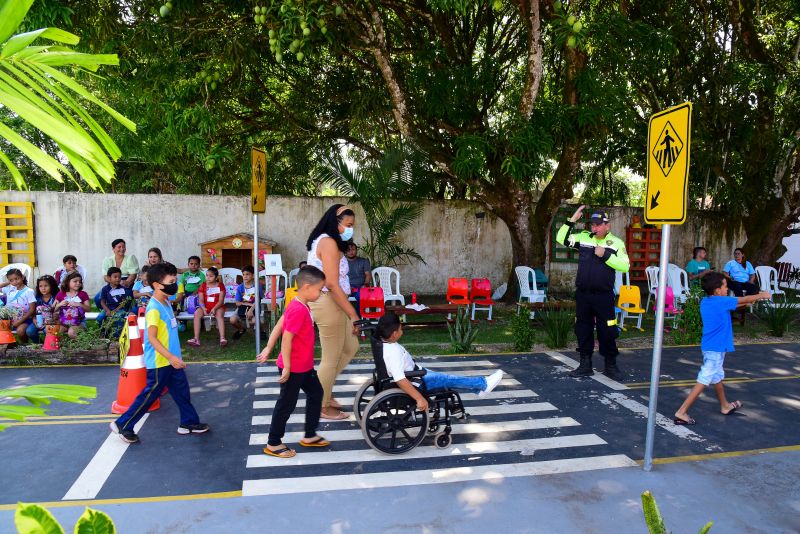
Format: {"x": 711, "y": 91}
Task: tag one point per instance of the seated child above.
{"x": 22, "y": 299}
{"x": 296, "y": 366}
{"x": 72, "y": 303}
{"x": 211, "y": 298}
{"x": 142, "y": 290}
{"x": 245, "y": 302}
{"x": 46, "y": 289}
{"x": 191, "y": 280}
{"x": 116, "y": 300}
{"x": 70, "y": 266}
{"x": 398, "y": 361}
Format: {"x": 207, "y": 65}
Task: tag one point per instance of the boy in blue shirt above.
{"x": 162, "y": 357}
{"x": 115, "y": 301}
{"x": 715, "y": 311}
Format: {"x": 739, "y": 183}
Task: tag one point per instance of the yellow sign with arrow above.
{"x": 258, "y": 162}
{"x": 668, "y": 142}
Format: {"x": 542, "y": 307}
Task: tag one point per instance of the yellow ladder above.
{"x": 16, "y": 230}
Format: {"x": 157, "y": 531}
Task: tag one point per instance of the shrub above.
{"x": 558, "y": 325}
{"x": 652, "y": 516}
{"x": 690, "y": 324}
{"x": 462, "y": 332}
{"x": 522, "y": 331}
{"x": 32, "y": 518}
{"x": 778, "y": 315}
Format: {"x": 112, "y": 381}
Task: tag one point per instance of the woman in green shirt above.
{"x": 128, "y": 264}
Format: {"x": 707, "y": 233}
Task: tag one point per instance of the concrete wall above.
{"x": 449, "y": 237}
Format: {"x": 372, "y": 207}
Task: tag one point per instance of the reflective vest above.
{"x": 595, "y": 273}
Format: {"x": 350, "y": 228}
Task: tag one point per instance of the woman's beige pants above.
{"x": 339, "y": 345}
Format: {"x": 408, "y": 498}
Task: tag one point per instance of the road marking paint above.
{"x": 468, "y": 428}
{"x": 61, "y": 422}
{"x": 51, "y": 417}
{"x": 353, "y": 378}
{"x": 692, "y": 382}
{"x": 354, "y": 387}
{"x": 502, "y": 394}
{"x": 371, "y": 366}
{"x": 667, "y": 424}
{"x": 130, "y": 500}
{"x": 718, "y": 455}
{"x": 494, "y": 409}
{"x": 528, "y": 446}
{"x": 99, "y": 468}
{"x": 599, "y": 377}
{"x": 436, "y": 476}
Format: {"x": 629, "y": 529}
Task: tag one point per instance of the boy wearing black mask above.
{"x": 162, "y": 357}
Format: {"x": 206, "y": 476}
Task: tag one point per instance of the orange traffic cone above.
{"x": 141, "y": 321}
{"x": 133, "y": 374}
{"x": 51, "y": 340}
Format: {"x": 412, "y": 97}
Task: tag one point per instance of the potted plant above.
{"x": 7, "y": 315}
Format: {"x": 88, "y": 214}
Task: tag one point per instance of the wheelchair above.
{"x": 389, "y": 419}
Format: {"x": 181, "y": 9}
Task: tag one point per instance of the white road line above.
{"x": 495, "y": 409}
{"x": 468, "y": 428}
{"x": 526, "y": 446}
{"x": 354, "y": 387}
{"x": 371, "y": 366}
{"x": 347, "y": 401}
{"x": 437, "y": 476}
{"x": 640, "y": 409}
{"x": 361, "y": 378}
{"x": 100, "y": 467}
{"x": 603, "y": 379}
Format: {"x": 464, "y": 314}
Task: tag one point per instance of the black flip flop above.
{"x": 735, "y": 407}
{"x": 679, "y": 421}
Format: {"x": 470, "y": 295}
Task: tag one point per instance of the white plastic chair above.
{"x": 230, "y": 277}
{"x": 618, "y": 276}
{"x": 27, "y": 271}
{"x": 292, "y": 276}
{"x": 678, "y": 280}
{"x": 383, "y": 277}
{"x": 526, "y": 277}
{"x": 652, "y": 284}
{"x": 280, "y": 290}
{"x": 768, "y": 280}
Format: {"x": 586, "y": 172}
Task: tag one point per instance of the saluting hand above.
{"x": 577, "y": 215}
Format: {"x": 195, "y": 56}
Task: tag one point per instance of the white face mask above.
{"x": 347, "y": 235}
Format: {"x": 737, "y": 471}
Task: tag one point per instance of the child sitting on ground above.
{"x": 715, "y": 311}
{"x": 46, "y": 289}
{"x": 72, "y": 303}
{"x": 296, "y": 366}
{"x": 211, "y": 296}
{"x": 398, "y": 361}
{"x": 22, "y": 300}
{"x": 116, "y": 300}
{"x": 70, "y": 266}
{"x": 245, "y": 302}
{"x": 142, "y": 290}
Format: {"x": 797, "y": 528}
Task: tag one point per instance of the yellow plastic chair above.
{"x": 630, "y": 302}
{"x": 291, "y": 293}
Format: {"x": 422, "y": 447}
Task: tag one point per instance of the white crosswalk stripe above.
{"x": 509, "y": 434}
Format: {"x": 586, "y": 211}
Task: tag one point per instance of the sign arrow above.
{"x": 654, "y": 200}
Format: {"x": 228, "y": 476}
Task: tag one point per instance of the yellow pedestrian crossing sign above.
{"x": 258, "y": 163}
{"x": 668, "y": 142}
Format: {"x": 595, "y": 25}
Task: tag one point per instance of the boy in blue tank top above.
{"x": 715, "y": 310}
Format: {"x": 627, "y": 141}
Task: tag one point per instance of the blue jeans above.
{"x": 157, "y": 380}
{"x": 32, "y": 333}
{"x": 434, "y": 380}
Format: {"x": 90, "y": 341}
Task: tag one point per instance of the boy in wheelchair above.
{"x": 398, "y": 361}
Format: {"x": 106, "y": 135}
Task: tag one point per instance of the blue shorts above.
{"x": 711, "y": 371}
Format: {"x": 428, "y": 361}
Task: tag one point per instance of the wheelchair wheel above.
{"x": 442, "y": 440}
{"x": 363, "y": 396}
{"x": 391, "y": 423}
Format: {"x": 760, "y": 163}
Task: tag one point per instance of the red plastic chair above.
{"x": 371, "y": 302}
{"x": 458, "y": 291}
{"x": 481, "y": 295}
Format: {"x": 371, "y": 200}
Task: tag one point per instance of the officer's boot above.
{"x": 611, "y": 370}
{"x": 584, "y": 368}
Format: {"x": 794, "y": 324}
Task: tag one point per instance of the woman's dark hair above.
{"x": 213, "y": 270}
{"x": 388, "y": 325}
{"x": 696, "y": 251}
{"x": 711, "y": 282}
{"x": 50, "y": 281}
{"x": 117, "y": 242}
{"x": 329, "y": 224}
{"x": 65, "y": 282}
{"x": 18, "y": 273}
{"x": 159, "y": 271}
{"x": 744, "y": 258}
{"x": 69, "y": 257}
{"x": 158, "y": 253}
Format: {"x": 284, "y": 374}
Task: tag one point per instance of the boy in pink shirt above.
{"x": 296, "y": 366}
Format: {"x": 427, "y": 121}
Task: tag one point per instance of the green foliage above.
{"x": 40, "y": 395}
{"x": 89, "y": 338}
{"x": 462, "y": 331}
{"x": 652, "y": 516}
{"x": 779, "y": 314}
{"x": 558, "y": 324}
{"x": 522, "y": 331}
{"x": 41, "y": 105}
{"x": 690, "y": 323}
{"x": 8, "y": 313}
{"x": 35, "y": 519}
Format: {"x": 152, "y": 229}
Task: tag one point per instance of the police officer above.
{"x": 601, "y": 253}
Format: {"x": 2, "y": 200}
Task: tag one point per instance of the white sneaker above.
{"x": 491, "y": 382}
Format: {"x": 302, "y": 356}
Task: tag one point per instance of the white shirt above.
{"x": 397, "y": 360}
{"x": 344, "y": 265}
{"x": 19, "y": 298}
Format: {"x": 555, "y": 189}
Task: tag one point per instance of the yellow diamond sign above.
{"x": 668, "y": 142}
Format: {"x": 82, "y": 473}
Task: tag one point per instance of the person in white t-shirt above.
{"x": 22, "y": 299}
{"x": 398, "y": 361}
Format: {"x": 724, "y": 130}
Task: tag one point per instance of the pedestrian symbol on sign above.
{"x": 667, "y": 148}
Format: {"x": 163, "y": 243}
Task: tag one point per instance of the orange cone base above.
{"x": 7, "y": 338}
{"x": 131, "y": 383}
{"x": 118, "y": 408}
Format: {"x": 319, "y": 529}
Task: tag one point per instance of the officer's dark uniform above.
{"x": 594, "y": 298}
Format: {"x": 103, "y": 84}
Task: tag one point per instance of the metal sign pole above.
{"x": 258, "y": 284}
{"x": 657, "y": 343}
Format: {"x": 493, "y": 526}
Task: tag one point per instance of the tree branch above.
{"x": 530, "y": 11}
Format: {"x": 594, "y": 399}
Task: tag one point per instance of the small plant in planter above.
{"x": 462, "y": 332}
{"x": 88, "y": 342}
{"x": 7, "y": 316}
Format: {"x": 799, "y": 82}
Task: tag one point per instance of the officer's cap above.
{"x": 599, "y": 217}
